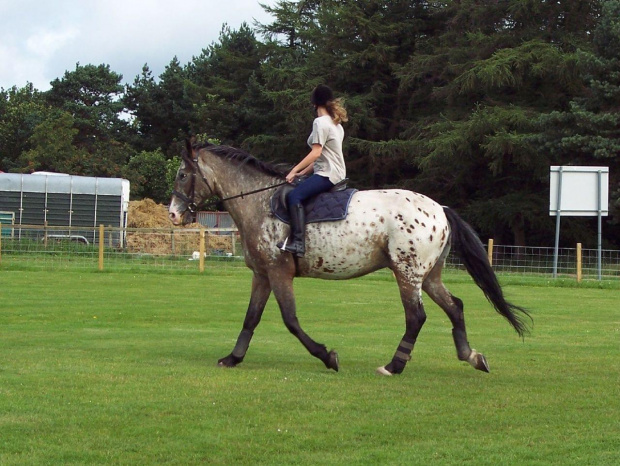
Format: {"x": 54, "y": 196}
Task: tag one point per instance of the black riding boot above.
{"x": 296, "y": 242}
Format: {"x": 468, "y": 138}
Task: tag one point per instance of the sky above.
{"x": 41, "y": 39}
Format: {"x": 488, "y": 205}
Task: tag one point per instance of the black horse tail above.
{"x": 467, "y": 245}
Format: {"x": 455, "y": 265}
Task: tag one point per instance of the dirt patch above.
{"x": 150, "y": 231}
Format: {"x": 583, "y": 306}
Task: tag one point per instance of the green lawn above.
{"x": 121, "y": 368}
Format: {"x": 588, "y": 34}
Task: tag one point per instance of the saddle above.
{"x": 329, "y": 206}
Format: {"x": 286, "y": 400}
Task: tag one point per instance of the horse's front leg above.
{"x": 283, "y": 291}
{"x": 260, "y": 294}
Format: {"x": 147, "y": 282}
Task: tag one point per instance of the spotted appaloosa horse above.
{"x": 402, "y": 230}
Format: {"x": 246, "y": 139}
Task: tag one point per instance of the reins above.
{"x": 193, "y": 207}
{"x": 254, "y": 192}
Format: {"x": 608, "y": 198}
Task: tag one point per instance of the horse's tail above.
{"x": 467, "y": 245}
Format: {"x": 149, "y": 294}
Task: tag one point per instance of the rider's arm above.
{"x": 308, "y": 169}
{"x": 307, "y": 161}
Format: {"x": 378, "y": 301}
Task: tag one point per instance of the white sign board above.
{"x": 579, "y": 191}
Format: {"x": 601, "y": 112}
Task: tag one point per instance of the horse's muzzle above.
{"x": 174, "y": 218}
{"x": 184, "y": 218}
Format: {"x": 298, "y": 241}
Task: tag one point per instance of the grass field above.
{"x": 120, "y": 368}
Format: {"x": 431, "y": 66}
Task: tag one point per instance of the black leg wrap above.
{"x": 402, "y": 356}
{"x": 405, "y": 347}
{"x": 243, "y": 342}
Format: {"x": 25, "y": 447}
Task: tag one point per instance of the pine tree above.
{"x": 21, "y": 111}
{"x": 588, "y": 132}
{"x": 162, "y": 110}
{"x": 479, "y": 83}
{"x": 221, "y": 79}
{"x": 92, "y": 94}
{"x": 354, "y": 47}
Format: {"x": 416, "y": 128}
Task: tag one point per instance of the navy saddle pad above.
{"x": 324, "y": 207}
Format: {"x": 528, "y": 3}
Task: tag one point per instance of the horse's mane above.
{"x": 242, "y": 158}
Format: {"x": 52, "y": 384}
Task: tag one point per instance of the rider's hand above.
{"x": 290, "y": 178}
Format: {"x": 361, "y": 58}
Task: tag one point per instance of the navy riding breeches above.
{"x": 312, "y": 186}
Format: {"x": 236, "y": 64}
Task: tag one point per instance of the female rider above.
{"x": 325, "y": 161}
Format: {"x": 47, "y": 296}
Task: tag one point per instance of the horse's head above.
{"x": 191, "y": 188}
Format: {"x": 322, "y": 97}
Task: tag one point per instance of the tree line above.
{"x": 467, "y": 101}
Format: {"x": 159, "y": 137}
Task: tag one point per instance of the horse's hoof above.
{"x": 228, "y": 361}
{"x": 482, "y": 364}
{"x": 332, "y": 361}
{"x": 383, "y": 371}
{"x": 478, "y": 361}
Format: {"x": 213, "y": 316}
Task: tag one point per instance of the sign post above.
{"x": 578, "y": 192}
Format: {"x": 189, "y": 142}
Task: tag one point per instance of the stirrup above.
{"x": 282, "y": 246}
{"x": 292, "y": 249}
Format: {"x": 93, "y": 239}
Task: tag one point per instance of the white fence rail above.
{"x": 56, "y": 248}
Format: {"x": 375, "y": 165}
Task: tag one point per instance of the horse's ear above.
{"x": 188, "y": 155}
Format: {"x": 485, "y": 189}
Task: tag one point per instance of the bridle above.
{"x": 190, "y": 200}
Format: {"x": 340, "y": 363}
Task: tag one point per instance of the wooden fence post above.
{"x": 232, "y": 242}
{"x": 579, "y": 262}
{"x": 490, "y": 251}
{"x": 0, "y": 243}
{"x": 101, "y": 244}
{"x": 202, "y": 250}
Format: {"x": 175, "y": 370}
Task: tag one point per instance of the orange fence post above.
{"x": 202, "y": 250}
{"x": 490, "y": 251}
{"x": 579, "y": 276}
{"x": 101, "y": 241}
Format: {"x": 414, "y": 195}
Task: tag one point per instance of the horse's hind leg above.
{"x": 411, "y": 296}
{"x": 283, "y": 291}
{"x": 453, "y": 307}
{"x": 260, "y": 294}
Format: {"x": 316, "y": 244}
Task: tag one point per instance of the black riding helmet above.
{"x": 321, "y": 95}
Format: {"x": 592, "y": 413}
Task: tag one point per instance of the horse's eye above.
{"x": 182, "y": 176}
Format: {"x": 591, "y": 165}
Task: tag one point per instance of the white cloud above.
{"x": 18, "y": 69}
{"x": 44, "y": 44}
{"x": 39, "y": 41}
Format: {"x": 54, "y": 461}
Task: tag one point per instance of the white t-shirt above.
{"x": 331, "y": 161}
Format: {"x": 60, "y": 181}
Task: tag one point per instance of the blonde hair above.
{"x": 336, "y": 110}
